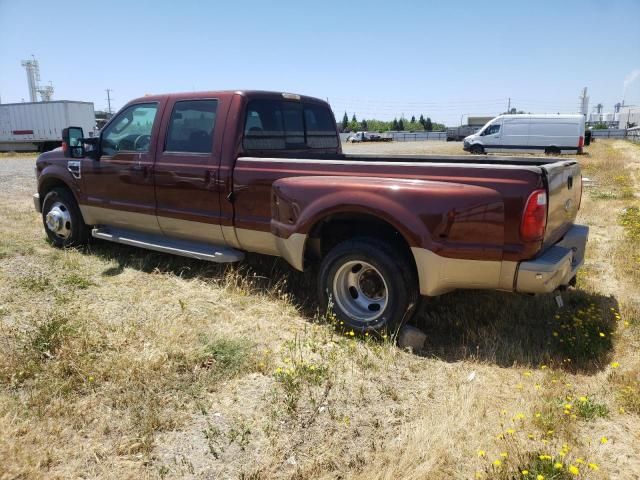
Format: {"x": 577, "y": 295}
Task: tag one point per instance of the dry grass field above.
{"x": 121, "y": 363}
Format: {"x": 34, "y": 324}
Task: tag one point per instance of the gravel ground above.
{"x": 17, "y": 175}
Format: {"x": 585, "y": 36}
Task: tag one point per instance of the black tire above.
{"x": 477, "y": 149}
{"x": 552, "y": 151}
{"x": 396, "y": 271}
{"x": 73, "y": 231}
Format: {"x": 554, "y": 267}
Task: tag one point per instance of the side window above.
{"x": 282, "y": 125}
{"x": 493, "y": 129}
{"x": 191, "y": 126}
{"x": 321, "y": 130}
{"x": 130, "y": 130}
{"x": 273, "y": 125}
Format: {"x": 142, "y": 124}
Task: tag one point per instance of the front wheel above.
{"x": 477, "y": 149}
{"x": 62, "y": 219}
{"x": 369, "y": 285}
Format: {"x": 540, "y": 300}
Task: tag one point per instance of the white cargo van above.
{"x": 552, "y": 134}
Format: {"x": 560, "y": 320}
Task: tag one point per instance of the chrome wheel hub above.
{"x": 58, "y": 220}
{"x": 360, "y": 291}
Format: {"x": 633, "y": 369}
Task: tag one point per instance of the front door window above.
{"x": 130, "y": 131}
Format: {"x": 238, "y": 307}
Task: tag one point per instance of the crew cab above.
{"x": 213, "y": 175}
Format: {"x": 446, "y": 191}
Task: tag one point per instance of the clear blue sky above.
{"x": 377, "y": 59}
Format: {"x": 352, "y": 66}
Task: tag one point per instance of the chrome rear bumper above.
{"x": 556, "y": 266}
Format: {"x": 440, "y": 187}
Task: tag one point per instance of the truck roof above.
{"x": 228, "y": 93}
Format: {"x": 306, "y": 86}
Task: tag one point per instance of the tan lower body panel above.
{"x": 142, "y": 222}
{"x": 291, "y": 249}
{"x": 438, "y": 275}
{"x": 190, "y": 230}
{"x": 120, "y": 218}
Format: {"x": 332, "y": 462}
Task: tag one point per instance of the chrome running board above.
{"x": 184, "y": 248}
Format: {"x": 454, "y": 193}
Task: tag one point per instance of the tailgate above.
{"x": 564, "y": 183}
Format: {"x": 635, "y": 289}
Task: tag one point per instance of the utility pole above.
{"x": 584, "y": 102}
{"x": 108, "y": 90}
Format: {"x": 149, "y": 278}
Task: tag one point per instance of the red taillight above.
{"x": 581, "y": 142}
{"x": 534, "y": 218}
{"x": 65, "y": 147}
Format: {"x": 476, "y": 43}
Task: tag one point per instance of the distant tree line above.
{"x": 401, "y": 124}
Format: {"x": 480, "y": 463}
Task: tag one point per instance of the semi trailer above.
{"x": 37, "y": 126}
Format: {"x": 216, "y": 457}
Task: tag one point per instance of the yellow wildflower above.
{"x": 558, "y": 466}
{"x": 615, "y": 364}
{"x": 504, "y": 454}
{"x": 540, "y": 477}
{"x": 481, "y": 453}
{"x": 593, "y": 466}
{"x": 573, "y": 470}
{"x": 497, "y": 462}
{"x": 604, "y": 440}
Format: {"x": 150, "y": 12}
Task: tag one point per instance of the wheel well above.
{"x": 337, "y": 228}
{"x": 49, "y": 184}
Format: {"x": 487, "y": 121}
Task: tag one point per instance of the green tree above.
{"x": 401, "y": 124}
{"x": 354, "y": 119}
{"x": 363, "y": 124}
{"x": 395, "y": 125}
{"x": 421, "y": 120}
{"x": 345, "y": 121}
{"x": 428, "y": 126}
{"x": 413, "y": 119}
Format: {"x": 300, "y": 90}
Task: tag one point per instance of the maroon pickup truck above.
{"x": 212, "y": 175}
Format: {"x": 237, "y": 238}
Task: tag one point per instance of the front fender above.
{"x": 450, "y": 219}
{"x": 52, "y": 169}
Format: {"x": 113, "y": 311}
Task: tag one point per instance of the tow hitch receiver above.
{"x": 558, "y": 297}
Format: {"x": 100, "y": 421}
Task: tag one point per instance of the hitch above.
{"x": 558, "y": 297}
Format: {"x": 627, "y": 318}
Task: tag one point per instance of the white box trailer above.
{"x": 38, "y": 125}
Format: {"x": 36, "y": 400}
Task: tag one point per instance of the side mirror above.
{"x": 72, "y": 142}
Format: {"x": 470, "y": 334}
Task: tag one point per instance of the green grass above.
{"x": 587, "y": 409}
{"x": 227, "y": 356}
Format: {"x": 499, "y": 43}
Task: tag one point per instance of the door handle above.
{"x": 211, "y": 179}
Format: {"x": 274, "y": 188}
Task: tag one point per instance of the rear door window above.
{"x": 191, "y": 126}
{"x": 285, "y": 125}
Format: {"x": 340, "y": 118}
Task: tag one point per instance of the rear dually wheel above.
{"x": 368, "y": 285}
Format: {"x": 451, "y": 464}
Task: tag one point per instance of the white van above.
{"x": 552, "y": 134}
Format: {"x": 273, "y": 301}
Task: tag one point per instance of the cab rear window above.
{"x": 285, "y": 125}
